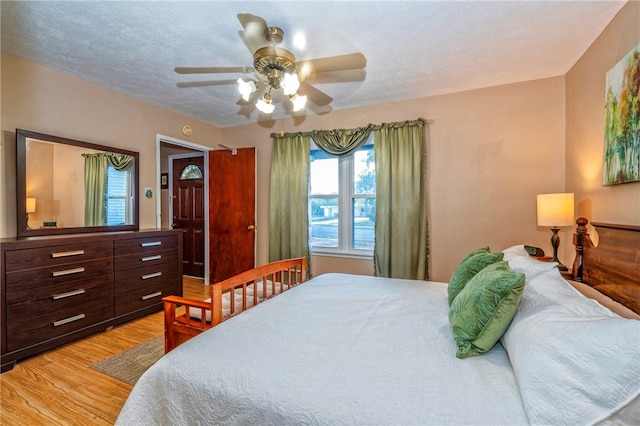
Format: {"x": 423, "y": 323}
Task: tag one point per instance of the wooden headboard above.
{"x": 613, "y": 267}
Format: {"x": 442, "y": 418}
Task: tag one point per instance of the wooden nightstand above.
{"x": 543, "y": 258}
{"x": 567, "y": 274}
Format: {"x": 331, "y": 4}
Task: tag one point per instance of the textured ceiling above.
{"x": 413, "y": 49}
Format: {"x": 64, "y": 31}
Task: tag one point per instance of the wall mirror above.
{"x": 66, "y": 186}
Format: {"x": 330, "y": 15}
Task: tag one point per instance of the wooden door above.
{"x": 189, "y": 212}
{"x": 232, "y": 194}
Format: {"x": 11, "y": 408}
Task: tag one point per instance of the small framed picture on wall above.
{"x": 164, "y": 180}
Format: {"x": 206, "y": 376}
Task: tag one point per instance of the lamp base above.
{"x": 555, "y": 243}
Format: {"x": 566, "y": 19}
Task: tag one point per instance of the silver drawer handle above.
{"x": 68, "y": 320}
{"x": 148, "y": 258}
{"x": 152, "y": 295}
{"x": 67, "y": 272}
{"x": 154, "y": 275}
{"x": 67, "y": 253}
{"x": 151, "y": 244}
{"x": 68, "y": 294}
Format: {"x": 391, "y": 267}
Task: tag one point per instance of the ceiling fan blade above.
{"x": 351, "y": 61}
{"x": 316, "y": 96}
{"x": 336, "y": 76}
{"x": 319, "y": 110}
{"x": 205, "y": 83}
{"x": 247, "y": 42}
{"x": 213, "y": 70}
{"x": 254, "y": 28}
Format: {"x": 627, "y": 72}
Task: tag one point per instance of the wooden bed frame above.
{"x": 613, "y": 266}
{"x": 180, "y": 326}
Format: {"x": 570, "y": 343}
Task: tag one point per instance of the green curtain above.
{"x": 341, "y": 142}
{"x": 95, "y": 189}
{"x": 401, "y": 230}
{"x": 119, "y": 161}
{"x": 288, "y": 205}
{"x": 95, "y": 184}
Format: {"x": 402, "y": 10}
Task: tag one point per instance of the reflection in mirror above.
{"x": 67, "y": 186}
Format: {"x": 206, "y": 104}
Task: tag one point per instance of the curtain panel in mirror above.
{"x": 95, "y": 184}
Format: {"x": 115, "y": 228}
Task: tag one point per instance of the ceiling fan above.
{"x": 276, "y": 68}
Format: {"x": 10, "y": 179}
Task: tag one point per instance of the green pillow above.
{"x": 483, "y": 310}
{"x": 475, "y": 262}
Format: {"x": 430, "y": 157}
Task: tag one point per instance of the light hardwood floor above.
{"x": 59, "y": 388}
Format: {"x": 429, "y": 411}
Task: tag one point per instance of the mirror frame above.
{"x": 21, "y": 186}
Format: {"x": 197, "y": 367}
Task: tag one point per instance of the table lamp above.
{"x": 30, "y": 207}
{"x": 556, "y": 210}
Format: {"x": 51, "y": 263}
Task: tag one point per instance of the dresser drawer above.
{"x": 41, "y": 318}
{"x": 34, "y": 278}
{"x": 146, "y": 276}
{"x": 143, "y": 245}
{"x": 143, "y": 297}
{"x": 16, "y": 260}
{"x": 56, "y": 295}
{"x": 146, "y": 259}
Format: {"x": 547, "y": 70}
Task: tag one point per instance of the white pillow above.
{"x": 576, "y": 362}
{"x": 520, "y": 261}
{"x": 513, "y": 251}
{"x": 530, "y": 267}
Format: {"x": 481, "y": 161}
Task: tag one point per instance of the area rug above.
{"x": 129, "y": 365}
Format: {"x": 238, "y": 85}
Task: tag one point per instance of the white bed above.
{"x": 347, "y": 349}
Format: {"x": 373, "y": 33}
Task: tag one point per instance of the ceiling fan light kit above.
{"x": 276, "y": 68}
{"x": 279, "y": 67}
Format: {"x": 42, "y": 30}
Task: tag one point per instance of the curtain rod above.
{"x": 373, "y": 127}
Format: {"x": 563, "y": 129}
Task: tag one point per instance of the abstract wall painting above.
{"x": 622, "y": 122}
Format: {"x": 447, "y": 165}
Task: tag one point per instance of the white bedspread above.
{"x": 339, "y": 349}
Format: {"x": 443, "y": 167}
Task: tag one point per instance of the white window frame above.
{"x": 127, "y": 197}
{"x": 346, "y": 194}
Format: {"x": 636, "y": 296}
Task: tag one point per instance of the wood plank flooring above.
{"x": 59, "y": 388}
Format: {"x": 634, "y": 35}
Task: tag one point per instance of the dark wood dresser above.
{"x": 58, "y": 289}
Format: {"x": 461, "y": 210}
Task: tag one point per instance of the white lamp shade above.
{"x": 555, "y": 209}
{"x": 246, "y": 88}
{"x": 265, "y": 106}
{"x": 31, "y": 205}
{"x": 298, "y": 101}
{"x": 290, "y": 84}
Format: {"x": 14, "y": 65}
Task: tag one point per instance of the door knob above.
{"x": 251, "y": 227}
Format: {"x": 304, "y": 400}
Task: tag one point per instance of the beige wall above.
{"x": 43, "y": 100}
{"x": 55, "y": 178}
{"x": 490, "y": 151}
{"x": 585, "y": 124}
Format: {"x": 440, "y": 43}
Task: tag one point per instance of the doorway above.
{"x": 229, "y": 175}
{"x": 167, "y": 146}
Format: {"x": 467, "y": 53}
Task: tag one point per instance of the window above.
{"x": 119, "y": 197}
{"x": 342, "y": 203}
{"x": 191, "y": 171}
